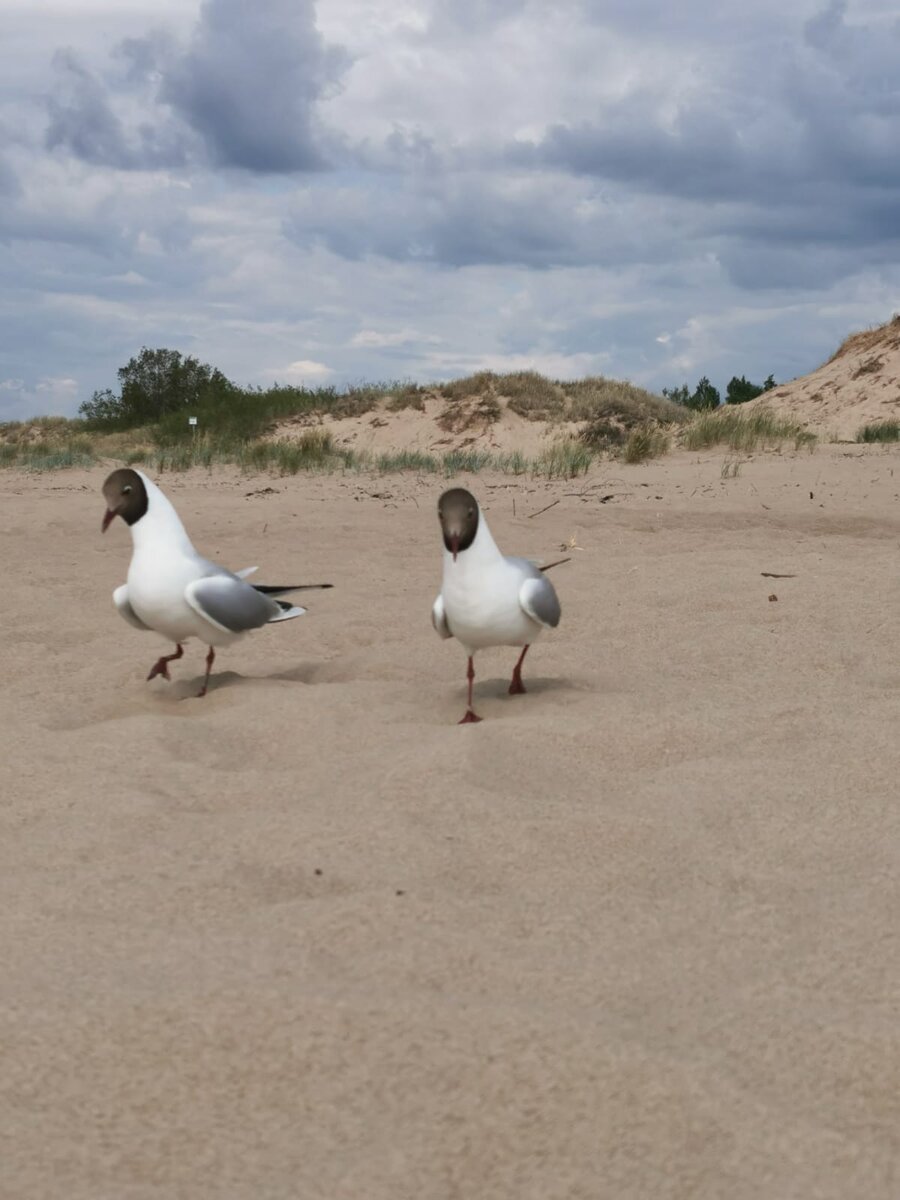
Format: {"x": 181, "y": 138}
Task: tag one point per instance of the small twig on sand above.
{"x": 559, "y": 562}
{"x": 542, "y": 510}
{"x": 775, "y": 575}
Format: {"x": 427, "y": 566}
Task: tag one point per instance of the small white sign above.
{"x": 192, "y": 420}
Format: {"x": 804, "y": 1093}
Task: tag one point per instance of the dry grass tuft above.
{"x": 471, "y": 385}
{"x": 410, "y": 396}
{"x": 886, "y": 337}
{"x": 602, "y": 434}
{"x": 532, "y": 396}
{"x": 646, "y": 441}
{"x": 471, "y": 413}
{"x": 627, "y": 405}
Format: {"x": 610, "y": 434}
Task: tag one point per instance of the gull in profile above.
{"x": 172, "y": 590}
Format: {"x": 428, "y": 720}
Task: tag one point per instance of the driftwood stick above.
{"x": 542, "y": 510}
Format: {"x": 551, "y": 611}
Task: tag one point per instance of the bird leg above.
{"x": 162, "y": 666}
{"x": 210, "y": 659}
{"x": 517, "y": 687}
{"x": 471, "y": 717}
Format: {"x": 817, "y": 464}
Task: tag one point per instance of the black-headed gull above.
{"x": 486, "y": 598}
{"x": 174, "y": 591}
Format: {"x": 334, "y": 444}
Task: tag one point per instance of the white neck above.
{"x": 160, "y": 525}
{"x": 483, "y": 552}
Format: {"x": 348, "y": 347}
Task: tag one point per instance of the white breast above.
{"x": 156, "y": 593}
{"x": 481, "y": 597}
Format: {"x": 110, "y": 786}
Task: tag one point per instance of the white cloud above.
{"x": 373, "y": 339}
{"x": 304, "y": 370}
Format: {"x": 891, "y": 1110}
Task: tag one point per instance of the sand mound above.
{"x": 859, "y": 384}
{"x": 522, "y": 411}
{"x": 436, "y": 427}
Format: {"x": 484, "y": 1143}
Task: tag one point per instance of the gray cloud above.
{"x": 83, "y": 121}
{"x": 81, "y": 118}
{"x": 9, "y": 180}
{"x": 791, "y": 141}
{"x": 242, "y": 93}
{"x": 477, "y": 218}
{"x": 250, "y": 81}
{"x": 647, "y": 189}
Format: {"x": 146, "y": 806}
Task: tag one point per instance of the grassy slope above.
{"x": 614, "y": 419}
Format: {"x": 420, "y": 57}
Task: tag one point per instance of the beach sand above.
{"x": 633, "y": 936}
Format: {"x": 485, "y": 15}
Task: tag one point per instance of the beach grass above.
{"x": 743, "y": 431}
{"x": 879, "y": 431}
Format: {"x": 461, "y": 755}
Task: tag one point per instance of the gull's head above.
{"x": 125, "y": 497}
{"x": 458, "y": 515}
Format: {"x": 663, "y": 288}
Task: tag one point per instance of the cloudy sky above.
{"x": 349, "y": 190}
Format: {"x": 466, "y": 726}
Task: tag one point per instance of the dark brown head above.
{"x": 126, "y": 497}
{"x": 458, "y": 514}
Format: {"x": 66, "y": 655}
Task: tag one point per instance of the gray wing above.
{"x": 230, "y": 604}
{"x": 539, "y": 599}
{"x": 123, "y": 604}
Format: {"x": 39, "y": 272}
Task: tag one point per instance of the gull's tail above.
{"x": 288, "y": 612}
{"x": 280, "y": 589}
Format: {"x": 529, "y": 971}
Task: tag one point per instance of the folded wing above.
{"x": 234, "y": 606}
{"x": 538, "y": 598}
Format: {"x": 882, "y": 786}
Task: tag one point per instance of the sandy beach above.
{"x": 633, "y": 936}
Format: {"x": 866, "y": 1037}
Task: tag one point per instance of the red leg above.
{"x": 210, "y": 659}
{"x": 162, "y": 666}
{"x": 471, "y": 717}
{"x": 517, "y": 687}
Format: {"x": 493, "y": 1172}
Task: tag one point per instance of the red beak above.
{"x": 454, "y": 545}
{"x": 107, "y": 517}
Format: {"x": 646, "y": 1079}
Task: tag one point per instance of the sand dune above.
{"x": 632, "y": 936}
{"x": 859, "y": 385}
{"x": 426, "y": 429}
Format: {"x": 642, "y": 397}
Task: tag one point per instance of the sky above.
{"x": 342, "y": 191}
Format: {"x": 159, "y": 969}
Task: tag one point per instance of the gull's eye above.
{"x": 126, "y": 489}
{"x": 471, "y": 512}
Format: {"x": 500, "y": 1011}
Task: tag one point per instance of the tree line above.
{"x": 154, "y": 384}
{"x": 704, "y": 395}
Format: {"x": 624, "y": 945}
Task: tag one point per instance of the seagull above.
{"x": 486, "y": 598}
{"x": 174, "y": 591}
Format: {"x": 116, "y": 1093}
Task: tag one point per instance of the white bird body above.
{"x": 481, "y": 596}
{"x": 487, "y": 598}
{"x": 164, "y": 565}
{"x": 171, "y": 589}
